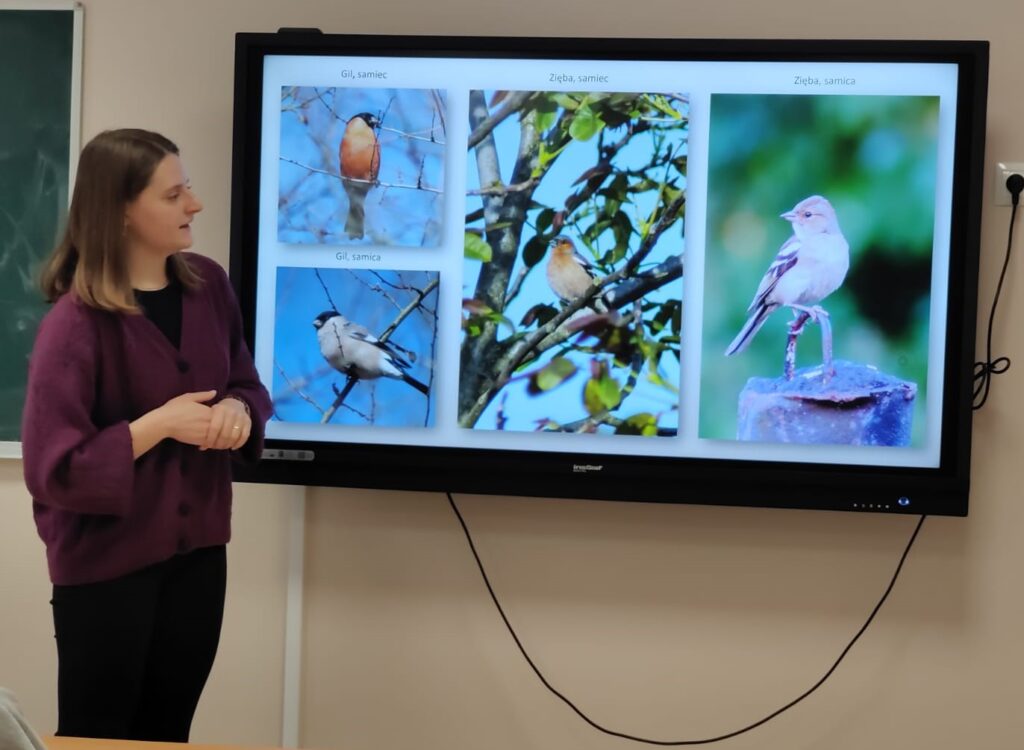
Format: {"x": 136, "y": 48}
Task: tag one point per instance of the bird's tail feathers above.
{"x": 421, "y": 387}
{"x": 390, "y": 370}
{"x": 751, "y": 327}
{"x": 356, "y": 209}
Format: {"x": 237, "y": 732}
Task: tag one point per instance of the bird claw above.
{"x": 815, "y": 313}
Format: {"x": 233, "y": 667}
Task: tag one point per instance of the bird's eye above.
{"x": 807, "y": 214}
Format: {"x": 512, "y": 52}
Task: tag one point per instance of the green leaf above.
{"x": 594, "y": 231}
{"x": 540, "y": 314}
{"x": 544, "y": 219}
{"x": 618, "y": 253}
{"x": 534, "y": 251}
{"x": 639, "y": 424}
{"x": 665, "y": 107}
{"x": 544, "y": 120}
{"x": 591, "y": 398}
{"x": 669, "y": 313}
{"x": 545, "y": 157}
{"x": 617, "y": 187}
{"x": 656, "y": 379}
{"x": 622, "y": 228}
{"x": 543, "y": 103}
{"x": 566, "y": 102}
{"x": 670, "y": 194}
{"x": 499, "y": 226}
{"x": 601, "y": 394}
{"x": 611, "y": 205}
{"x": 475, "y": 248}
{"x": 644, "y": 185}
{"x": 586, "y": 124}
{"x": 479, "y": 314}
{"x": 609, "y": 390}
{"x": 499, "y": 319}
{"x": 552, "y": 375}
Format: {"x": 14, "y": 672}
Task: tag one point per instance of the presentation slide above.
{"x": 666, "y": 259}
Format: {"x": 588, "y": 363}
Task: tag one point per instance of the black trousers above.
{"x": 134, "y": 653}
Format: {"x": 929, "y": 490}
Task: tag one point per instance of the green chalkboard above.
{"x": 39, "y": 47}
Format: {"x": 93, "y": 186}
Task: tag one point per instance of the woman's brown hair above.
{"x": 91, "y": 258}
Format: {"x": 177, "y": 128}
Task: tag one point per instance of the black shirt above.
{"x": 163, "y": 307}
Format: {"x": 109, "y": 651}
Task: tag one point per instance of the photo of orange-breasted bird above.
{"x": 570, "y": 274}
{"x": 361, "y": 166}
{"x": 359, "y": 157}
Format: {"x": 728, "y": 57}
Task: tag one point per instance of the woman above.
{"x": 141, "y": 389}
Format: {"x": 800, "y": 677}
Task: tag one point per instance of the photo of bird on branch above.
{"x": 572, "y": 281}
{"x": 355, "y": 346}
{"x": 361, "y": 166}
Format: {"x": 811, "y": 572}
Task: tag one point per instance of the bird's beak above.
{"x": 789, "y": 215}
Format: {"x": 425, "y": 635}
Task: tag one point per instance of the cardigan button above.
{"x": 183, "y": 366}
{"x": 183, "y": 546}
{"x": 184, "y": 509}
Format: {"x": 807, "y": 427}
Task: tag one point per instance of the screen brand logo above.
{"x": 584, "y": 468}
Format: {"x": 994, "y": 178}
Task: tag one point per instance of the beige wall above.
{"x": 675, "y": 622}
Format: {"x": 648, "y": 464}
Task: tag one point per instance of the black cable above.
{"x": 709, "y": 740}
{"x": 984, "y": 371}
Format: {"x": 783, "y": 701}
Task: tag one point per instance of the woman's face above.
{"x": 158, "y": 221}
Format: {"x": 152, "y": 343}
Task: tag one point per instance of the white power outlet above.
{"x": 1003, "y": 170}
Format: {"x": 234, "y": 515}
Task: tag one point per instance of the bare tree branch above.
{"x": 600, "y": 171}
{"x": 505, "y": 189}
{"x": 420, "y": 296}
{"x": 643, "y": 283}
{"x": 377, "y": 183}
{"x": 339, "y": 399}
{"x": 412, "y": 136}
{"x": 482, "y": 129}
{"x": 439, "y": 108}
{"x": 375, "y": 288}
{"x": 296, "y": 388}
{"x": 326, "y": 290}
{"x": 517, "y": 284}
{"x": 581, "y": 424}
